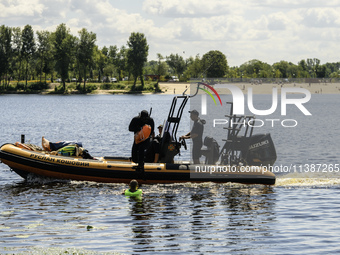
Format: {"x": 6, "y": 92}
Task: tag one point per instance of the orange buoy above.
{"x": 143, "y": 134}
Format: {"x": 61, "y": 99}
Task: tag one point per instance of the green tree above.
{"x": 64, "y": 49}
{"x": 313, "y": 65}
{"x": 255, "y": 69}
{"x": 28, "y": 47}
{"x": 49, "y": 61}
{"x": 101, "y": 60}
{"x": 323, "y": 71}
{"x": 194, "y": 68}
{"x": 233, "y": 72}
{"x": 44, "y": 52}
{"x": 176, "y": 63}
{"x": 5, "y": 50}
{"x": 303, "y": 69}
{"x": 85, "y": 51}
{"x": 111, "y": 56}
{"x": 159, "y": 67}
{"x": 16, "y": 63}
{"x": 122, "y": 62}
{"x": 118, "y": 60}
{"x": 151, "y": 67}
{"x": 113, "y": 62}
{"x": 215, "y": 64}
{"x": 303, "y": 65}
{"x": 282, "y": 66}
{"x": 137, "y": 55}
{"x": 293, "y": 71}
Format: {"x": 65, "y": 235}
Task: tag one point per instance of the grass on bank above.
{"x": 78, "y": 88}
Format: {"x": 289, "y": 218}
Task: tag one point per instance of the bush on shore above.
{"x": 20, "y": 87}
{"x": 73, "y": 88}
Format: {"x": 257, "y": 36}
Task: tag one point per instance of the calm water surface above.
{"x": 296, "y": 216}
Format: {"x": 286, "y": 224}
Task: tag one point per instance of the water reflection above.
{"x": 199, "y": 218}
{"x": 141, "y": 213}
{"x": 181, "y": 218}
{"x": 178, "y": 218}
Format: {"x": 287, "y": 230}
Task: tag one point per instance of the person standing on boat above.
{"x": 196, "y": 135}
{"x": 136, "y": 125}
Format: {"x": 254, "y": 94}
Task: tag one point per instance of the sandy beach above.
{"x": 265, "y": 88}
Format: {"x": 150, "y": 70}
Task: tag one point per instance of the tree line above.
{"x": 46, "y": 55}
{"x": 59, "y": 54}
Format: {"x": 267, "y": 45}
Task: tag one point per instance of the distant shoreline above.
{"x": 178, "y": 88}
{"x": 265, "y": 88}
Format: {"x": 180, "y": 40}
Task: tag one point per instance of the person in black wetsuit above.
{"x": 195, "y": 134}
{"x": 153, "y": 151}
{"x": 136, "y": 124}
{"x": 160, "y": 129}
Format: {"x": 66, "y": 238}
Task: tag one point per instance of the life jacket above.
{"x": 143, "y": 134}
{"x": 69, "y": 150}
{"x": 137, "y": 193}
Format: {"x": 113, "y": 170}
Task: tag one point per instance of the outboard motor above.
{"x": 260, "y": 151}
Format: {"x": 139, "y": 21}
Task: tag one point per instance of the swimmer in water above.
{"x": 133, "y": 191}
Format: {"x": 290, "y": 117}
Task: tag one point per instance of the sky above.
{"x": 267, "y": 30}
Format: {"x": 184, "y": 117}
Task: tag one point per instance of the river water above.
{"x": 298, "y": 215}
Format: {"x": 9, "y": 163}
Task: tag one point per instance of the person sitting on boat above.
{"x": 153, "y": 151}
{"x": 137, "y": 126}
{"x": 159, "y": 136}
{"x": 66, "y": 148}
{"x": 195, "y": 134}
{"x": 133, "y": 190}
{"x": 49, "y": 146}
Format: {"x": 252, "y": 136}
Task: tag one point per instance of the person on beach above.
{"x": 136, "y": 125}
{"x": 195, "y": 134}
{"x": 133, "y": 190}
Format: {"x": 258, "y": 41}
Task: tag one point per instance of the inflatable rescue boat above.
{"x": 121, "y": 170}
{"x": 244, "y": 158}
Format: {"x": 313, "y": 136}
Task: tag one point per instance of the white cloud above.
{"x": 322, "y": 17}
{"x": 20, "y": 8}
{"x": 293, "y": 4}
{"x": 277, "y": 21}
{"x": 180, "y": 8}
